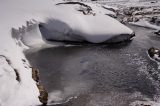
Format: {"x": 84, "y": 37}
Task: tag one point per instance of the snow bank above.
{"x": 14, "y": 14}
{"x": 144, "y": 23}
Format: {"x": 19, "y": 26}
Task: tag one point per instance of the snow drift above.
{"x": 145, "y": 23}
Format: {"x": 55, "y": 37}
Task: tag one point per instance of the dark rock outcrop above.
{"x": 154, "y": 51}
{"x": 17, "y": 75}
{"x": 43, "y": 97}
{"x": 157, "y": 32}
{"x": 35, "y": 74}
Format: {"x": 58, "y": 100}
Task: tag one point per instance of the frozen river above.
{"x": 100, "y": 75}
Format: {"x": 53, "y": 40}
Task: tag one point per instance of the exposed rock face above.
{"x": 121, "y": 38}
{"x": 151, "y": 52}
{"x": 157, "y": 32}
{"x": 134, "y": 14}
{"x": 154, "y": 53}
{"x": 43, "y": 97}
{"x": 155, "y": 20}
{"x": 35, "y": 74}
{"x": 17, "y": 75}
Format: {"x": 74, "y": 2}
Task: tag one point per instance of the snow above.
{"x": 144, "y": 23}
{"x": 99, "y": 8}
{"x": 144, "y": 103}
{"x": 96, "y": 28}
{"x": 15, "y": 13}
{"x": 32, "y": 36}
{"x": 84, "y": 29}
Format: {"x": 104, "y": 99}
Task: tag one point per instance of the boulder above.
{"x": 154, "y": 53}
{"x": 157, "y": 32}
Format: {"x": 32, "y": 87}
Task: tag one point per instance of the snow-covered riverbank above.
{"x": 97, "y": 75}
{"x": 27, "y": 24}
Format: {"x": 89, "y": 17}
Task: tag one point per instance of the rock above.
{"x": 153, "y": 1}
{"x": 23, "y": 60}
{"x": 127, "y": 12}
{"x": 154, "y": 53}
{"x": 17, "y": 75}
{"x": 35, "y": 74}
{"x": 155, "y": 20}
{"x": 109, "y": 8}
{"x": 85, "y": 9}
{"x": 111, "y": 15}
{"x": 121, "y": 38}
{"x": 142, "y": 103}
{"x": 43, "y": 97}
{"x": 157, "y": 32}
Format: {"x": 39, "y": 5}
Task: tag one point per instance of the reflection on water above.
{"x": 99, "y": 75}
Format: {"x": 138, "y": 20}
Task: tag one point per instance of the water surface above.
{"x": 100, "y": 75}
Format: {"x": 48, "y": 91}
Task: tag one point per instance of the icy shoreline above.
{"x": 89, "y": 59}
{"x": 16, "y": 36}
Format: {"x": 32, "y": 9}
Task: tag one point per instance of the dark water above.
{"x": 101, "y": 75}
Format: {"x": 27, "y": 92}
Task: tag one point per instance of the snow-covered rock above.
{"x": 145, "y": 23}
{"x": 157, "y": 32}
{"x": 154, "y": 53}
{"x": 94, "y": 27}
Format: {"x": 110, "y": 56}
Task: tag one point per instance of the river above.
{"x": 100, "y": 75}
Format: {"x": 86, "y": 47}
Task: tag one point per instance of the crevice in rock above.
{"x": 86, "y": 10}
{"x": 17, "y": 75}
{"x": 79, "y": 3}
